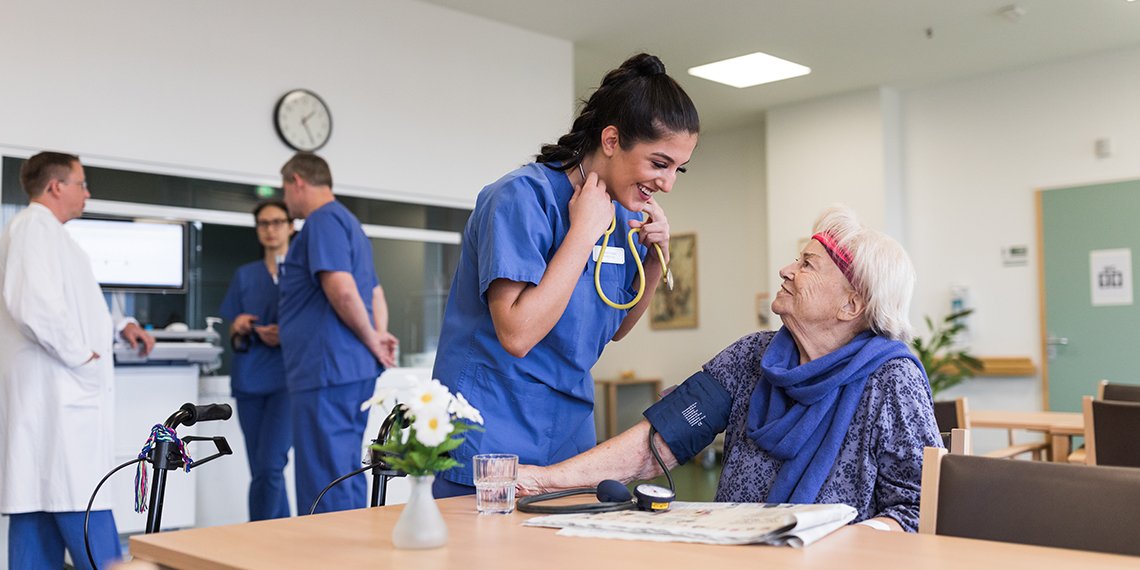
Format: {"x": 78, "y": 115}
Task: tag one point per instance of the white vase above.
{"x": 420, "y": 525}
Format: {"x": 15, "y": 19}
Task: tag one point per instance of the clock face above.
{"x": 303, "y": 120}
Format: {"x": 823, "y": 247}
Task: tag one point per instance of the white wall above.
{"x": 839, "y": 149}
{"x": 976, "y": 152}
{"x": 428, "y": 104}
{"x": 722, "y": 200}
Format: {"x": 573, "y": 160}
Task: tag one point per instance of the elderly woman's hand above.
{"x": 531, "y": 481}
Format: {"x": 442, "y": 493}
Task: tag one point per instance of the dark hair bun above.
{"x": 639, "y": 99}
{"x": 645, "y": 64}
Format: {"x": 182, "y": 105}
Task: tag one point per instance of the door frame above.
{"x": 1041, "y": 301}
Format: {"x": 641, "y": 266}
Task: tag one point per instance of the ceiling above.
{"x": 849, "y": 44}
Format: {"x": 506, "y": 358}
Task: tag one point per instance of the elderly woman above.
{"x": 831, "y": 408}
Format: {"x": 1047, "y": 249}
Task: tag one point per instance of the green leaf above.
{"x": 449, "y": 444}
{"x": 945, "y": 367}
{"x": 417, "y": 458}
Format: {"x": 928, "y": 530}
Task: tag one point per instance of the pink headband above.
{"x": 839, "y": 254}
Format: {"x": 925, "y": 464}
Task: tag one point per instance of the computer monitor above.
{"x": 134, "y": 254}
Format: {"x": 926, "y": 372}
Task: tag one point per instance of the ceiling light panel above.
{"x": 748, "y": 70}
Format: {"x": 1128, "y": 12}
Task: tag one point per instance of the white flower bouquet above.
{"x": 435, "y": 420}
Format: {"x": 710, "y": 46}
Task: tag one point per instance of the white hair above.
{"x": 881, "y": 269}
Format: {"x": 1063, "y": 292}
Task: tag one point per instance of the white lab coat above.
{"x": 56, "y": 408}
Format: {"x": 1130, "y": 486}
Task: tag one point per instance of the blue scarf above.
{"x": 800, "y": 413}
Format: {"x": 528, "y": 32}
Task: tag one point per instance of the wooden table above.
{"x": 1060, "y": 427}
{"x": 362, "y": 539}
{"x": 610, "y": 394}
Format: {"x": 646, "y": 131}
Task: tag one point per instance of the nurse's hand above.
{"x": 268, "y": 334}
{"x": 591, "y": 209}
{"x": 655, "y": 230}
{"x": 243, "y": 324}
{"x": 387, "y": 351}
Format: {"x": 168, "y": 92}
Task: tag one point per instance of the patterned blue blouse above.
{"x": 879, "y": 468}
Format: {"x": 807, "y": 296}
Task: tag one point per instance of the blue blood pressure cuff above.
{"x": 689, "y": 417}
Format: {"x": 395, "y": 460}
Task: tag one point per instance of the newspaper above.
{"x": 709, "y": 523}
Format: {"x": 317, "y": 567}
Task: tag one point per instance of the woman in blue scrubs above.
{"x": 524, "y": 321}
{"x": 258, "y": 371}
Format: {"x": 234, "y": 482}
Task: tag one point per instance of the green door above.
{"x": 1087, "y": 342}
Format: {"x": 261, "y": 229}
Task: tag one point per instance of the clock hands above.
{"x": 305, "y": 123}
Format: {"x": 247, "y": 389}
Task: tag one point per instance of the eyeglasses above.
{"x": 264, "y": 224}
{"x": 82, "y": 183}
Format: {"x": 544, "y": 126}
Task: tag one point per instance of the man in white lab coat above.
{"x": 56, "y": 376}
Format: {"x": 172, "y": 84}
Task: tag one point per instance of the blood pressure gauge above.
{"x": 653, "y": 498}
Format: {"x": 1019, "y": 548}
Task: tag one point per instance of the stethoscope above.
{"x": 667, "y": 277}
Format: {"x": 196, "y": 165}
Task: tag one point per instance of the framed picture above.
{"x": 677, "y": 309}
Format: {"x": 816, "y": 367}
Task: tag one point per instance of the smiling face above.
{"x": 813, "y": 291}
{"x": 633, "y": 176}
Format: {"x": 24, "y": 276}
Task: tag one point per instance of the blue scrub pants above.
{"x": 266, "y": 424}
{"x": 328, "y": 433}
{"x": 37, "y": 540}
{"x": 442, "y": 488}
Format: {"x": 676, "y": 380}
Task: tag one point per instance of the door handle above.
{"x": 1051, "y": 344}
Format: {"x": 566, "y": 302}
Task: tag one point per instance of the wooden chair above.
{"x": 1105, "y": 390}
{"x": 1030, "y": 502}
{"x": 951, "y": 414}
{"x": 1112, "y": 431}
{"x": 1118, "y": 392}
{"x": 960, "y": 442}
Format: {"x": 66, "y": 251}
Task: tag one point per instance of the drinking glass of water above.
{"x": 495, "y": 477}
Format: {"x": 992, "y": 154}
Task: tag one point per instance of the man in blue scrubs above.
{"x": 335, "y": 344}
{"x": 257, "y": 379}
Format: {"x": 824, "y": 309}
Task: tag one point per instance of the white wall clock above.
{"x": 303, "y": 120}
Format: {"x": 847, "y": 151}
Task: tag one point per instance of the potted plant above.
{"x": 946, "y": 365}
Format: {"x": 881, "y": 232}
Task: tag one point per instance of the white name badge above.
{"x": 615, "y": 255}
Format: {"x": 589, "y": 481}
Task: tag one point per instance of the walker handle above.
{"x": 206, "y": 413}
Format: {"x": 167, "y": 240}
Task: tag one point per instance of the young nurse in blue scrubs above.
{"x": 525, "y": 321}
{"x": 257, "y": 379}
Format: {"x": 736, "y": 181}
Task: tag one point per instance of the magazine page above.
{"x": 710, "y": 523}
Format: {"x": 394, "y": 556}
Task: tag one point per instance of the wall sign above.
{"x": 1111, "y": 274}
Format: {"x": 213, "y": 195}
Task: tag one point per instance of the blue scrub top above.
{"x": 261, "y": 370}
{"x": 540, "y": 407}
{"x": 320, "y": 350}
